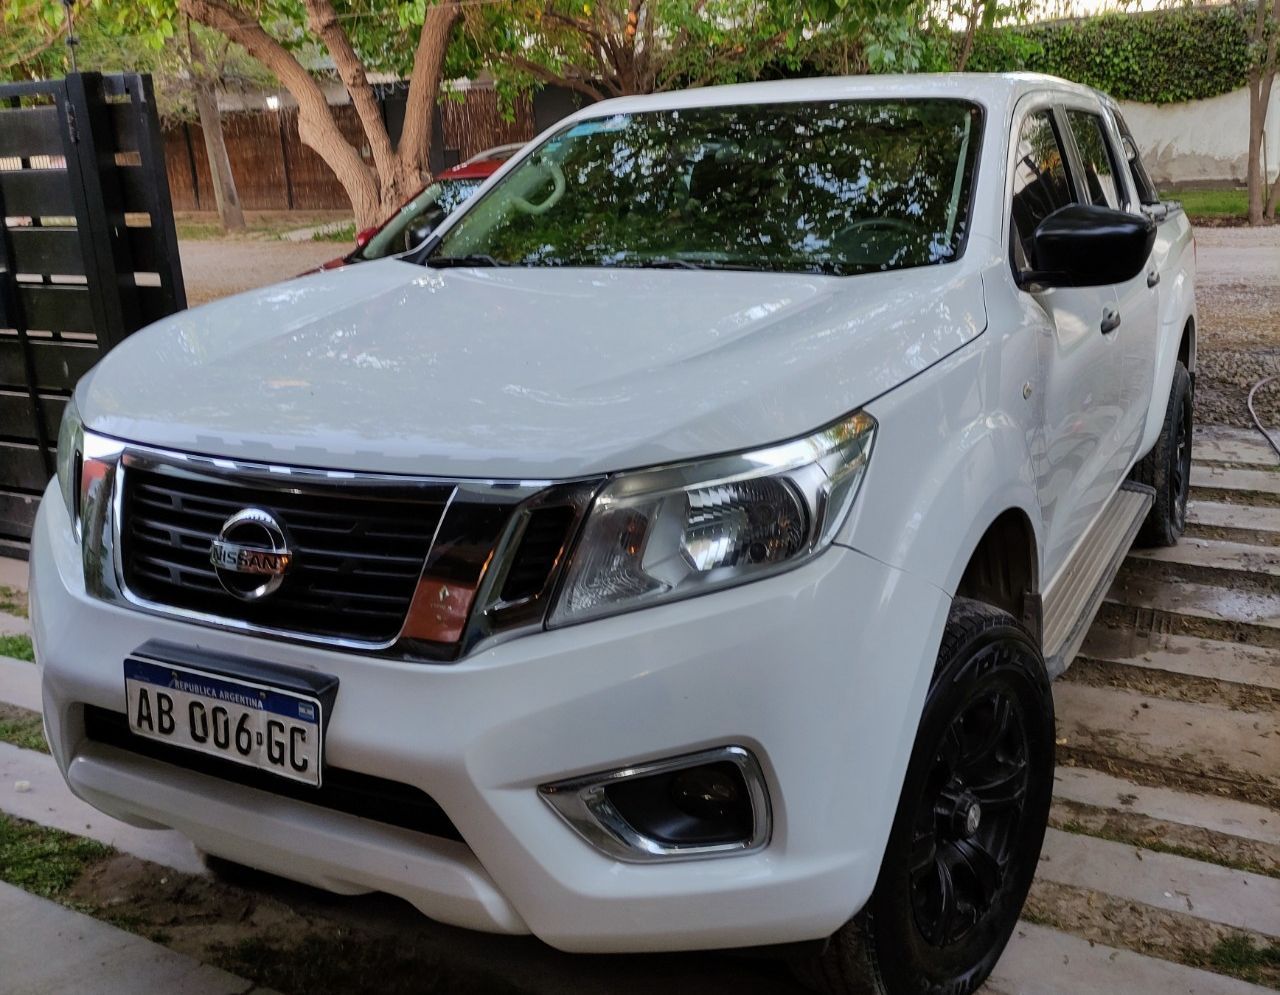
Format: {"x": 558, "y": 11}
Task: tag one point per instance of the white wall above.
{"x": 1201, "y": 142}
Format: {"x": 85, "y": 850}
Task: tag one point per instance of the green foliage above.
{"x": 1157, "y": 58}
{"x": 606, "y": 48}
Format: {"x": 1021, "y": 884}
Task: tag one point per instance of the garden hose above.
{"x": 1254, "y": 414}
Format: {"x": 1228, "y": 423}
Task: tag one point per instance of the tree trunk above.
{"x": 1255, "y": 181}
{"x": 215, "y": 147}
{"x": 316, "y": 124}
{"x": 414, "y": 147}
{"x": 1264, "y": 34}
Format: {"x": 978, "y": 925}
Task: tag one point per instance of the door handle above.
{"x": 1110, "y": 319}
{"x": 1153, "y": 278}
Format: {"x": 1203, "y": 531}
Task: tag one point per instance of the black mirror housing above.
{"x": 1082, "y": 245}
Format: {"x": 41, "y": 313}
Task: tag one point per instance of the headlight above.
{"x": 70, "y": 456}
{"x": 673, "y": 532}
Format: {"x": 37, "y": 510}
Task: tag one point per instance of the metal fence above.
{"x": 88, "y": 255}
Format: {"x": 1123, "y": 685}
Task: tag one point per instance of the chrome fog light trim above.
{"x": 585, "y": 805}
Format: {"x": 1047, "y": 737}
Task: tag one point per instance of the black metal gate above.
{"x": 88, "y": 254}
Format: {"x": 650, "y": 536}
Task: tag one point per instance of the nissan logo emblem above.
{"x": 251, "y": 554}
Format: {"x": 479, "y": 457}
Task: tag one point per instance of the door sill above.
{"x": 1078, "y": 590}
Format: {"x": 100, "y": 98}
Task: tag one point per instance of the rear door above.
{"x": 1079, "y": 362}
{"x": 1104, "y": 181}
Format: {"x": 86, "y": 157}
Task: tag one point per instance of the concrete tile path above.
{"x": 46, "y": 949}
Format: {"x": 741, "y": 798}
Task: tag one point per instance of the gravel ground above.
{"x": 1238, "y": 294}
{"x": 218, "y": 268}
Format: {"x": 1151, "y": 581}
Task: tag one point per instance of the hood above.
{"x": 524, "y": 372}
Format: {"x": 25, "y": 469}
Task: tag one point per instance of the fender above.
{"x": 951, "y": 455}
{"x": 1177, "y": 307}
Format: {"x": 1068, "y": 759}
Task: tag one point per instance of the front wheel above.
{"x": 970, "y": 821}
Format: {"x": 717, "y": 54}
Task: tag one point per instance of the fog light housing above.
{"x": 712, "y": 803}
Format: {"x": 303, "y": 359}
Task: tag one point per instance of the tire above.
{"x": 1167, "y": 467}
{"x": 988, "y": 716}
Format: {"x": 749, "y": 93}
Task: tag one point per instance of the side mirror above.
{"x": 423, "y": 225}
{"x": 363, "y": 236}
{"x": 1081, "y": 245}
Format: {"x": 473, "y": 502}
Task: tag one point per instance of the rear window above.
{"x": 1101, "y": 182}
{"x": 834, "y": 187}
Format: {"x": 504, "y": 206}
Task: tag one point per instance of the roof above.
{"x": 990, "y": 89}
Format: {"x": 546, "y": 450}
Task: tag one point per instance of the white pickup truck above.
{"x": 672, "y": 552}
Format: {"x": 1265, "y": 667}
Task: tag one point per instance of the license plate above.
{"x": 242, "y": 721}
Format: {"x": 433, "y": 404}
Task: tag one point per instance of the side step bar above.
{"x": 1077, "y": 592}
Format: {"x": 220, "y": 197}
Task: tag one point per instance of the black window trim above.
{"x": 1080, "y": 175}
{"x": 1126, "y": 135}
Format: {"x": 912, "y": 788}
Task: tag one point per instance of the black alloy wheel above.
{"x": 969, "y": 817}
{"x": 970, "y": 820}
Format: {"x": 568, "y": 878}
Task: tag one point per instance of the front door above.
{"x": 1078, "y": 469}
{"x": 1103, "y": 183}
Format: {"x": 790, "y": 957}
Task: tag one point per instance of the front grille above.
{"x": 357, "y": 556}
{"x": 369, "y": 797}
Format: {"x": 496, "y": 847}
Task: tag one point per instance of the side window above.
{"x": 1040, "y": 184}
{"x": 1101, "y": 182}
{"x": 1141, "y": 178}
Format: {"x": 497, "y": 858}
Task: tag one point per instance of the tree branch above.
{"x": 47, "y": 42}
{"x": 323, "y": 20}
{"x": 547, "y": 76}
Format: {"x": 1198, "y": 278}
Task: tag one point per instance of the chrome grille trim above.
{"x": 103, "y": 558}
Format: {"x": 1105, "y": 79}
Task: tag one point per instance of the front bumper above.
{"x": 820, "y": 672}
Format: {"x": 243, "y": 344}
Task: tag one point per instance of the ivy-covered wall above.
{"x": 1156, "y": 58}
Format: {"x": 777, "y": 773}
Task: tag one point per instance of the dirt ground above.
{"x": 218, "y": 268}
{"x": 1238, "y": 295}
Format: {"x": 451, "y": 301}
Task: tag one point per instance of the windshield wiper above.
{"x": 666, "y": 262}
{"x": 476, "y": 259}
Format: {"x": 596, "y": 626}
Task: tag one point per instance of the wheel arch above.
{"x": 1187, "y": 347}
{"x": 1003, "y": 570}
{"x": 951, "y": 479}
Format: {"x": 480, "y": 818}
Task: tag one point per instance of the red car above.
{"x": 412, "y": 224}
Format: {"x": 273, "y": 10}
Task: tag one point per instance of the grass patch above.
{"x": 45, "y": 862}
{"x": 259, "y": 225}
{"x": 347, "y": 233}
{"x": 18, "y": 647}
{"x": 1149, "y": 841}
{"x": 199, "y": 230}
{"x": 13, "y": 602}
{"x": 22, "y": 727}
{"x": 1238, "y": 956}
{"x": 1212, "y": 203}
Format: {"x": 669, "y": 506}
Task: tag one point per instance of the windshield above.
{"x": 432, "y": 205}
{"x": 842, "y": 187}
